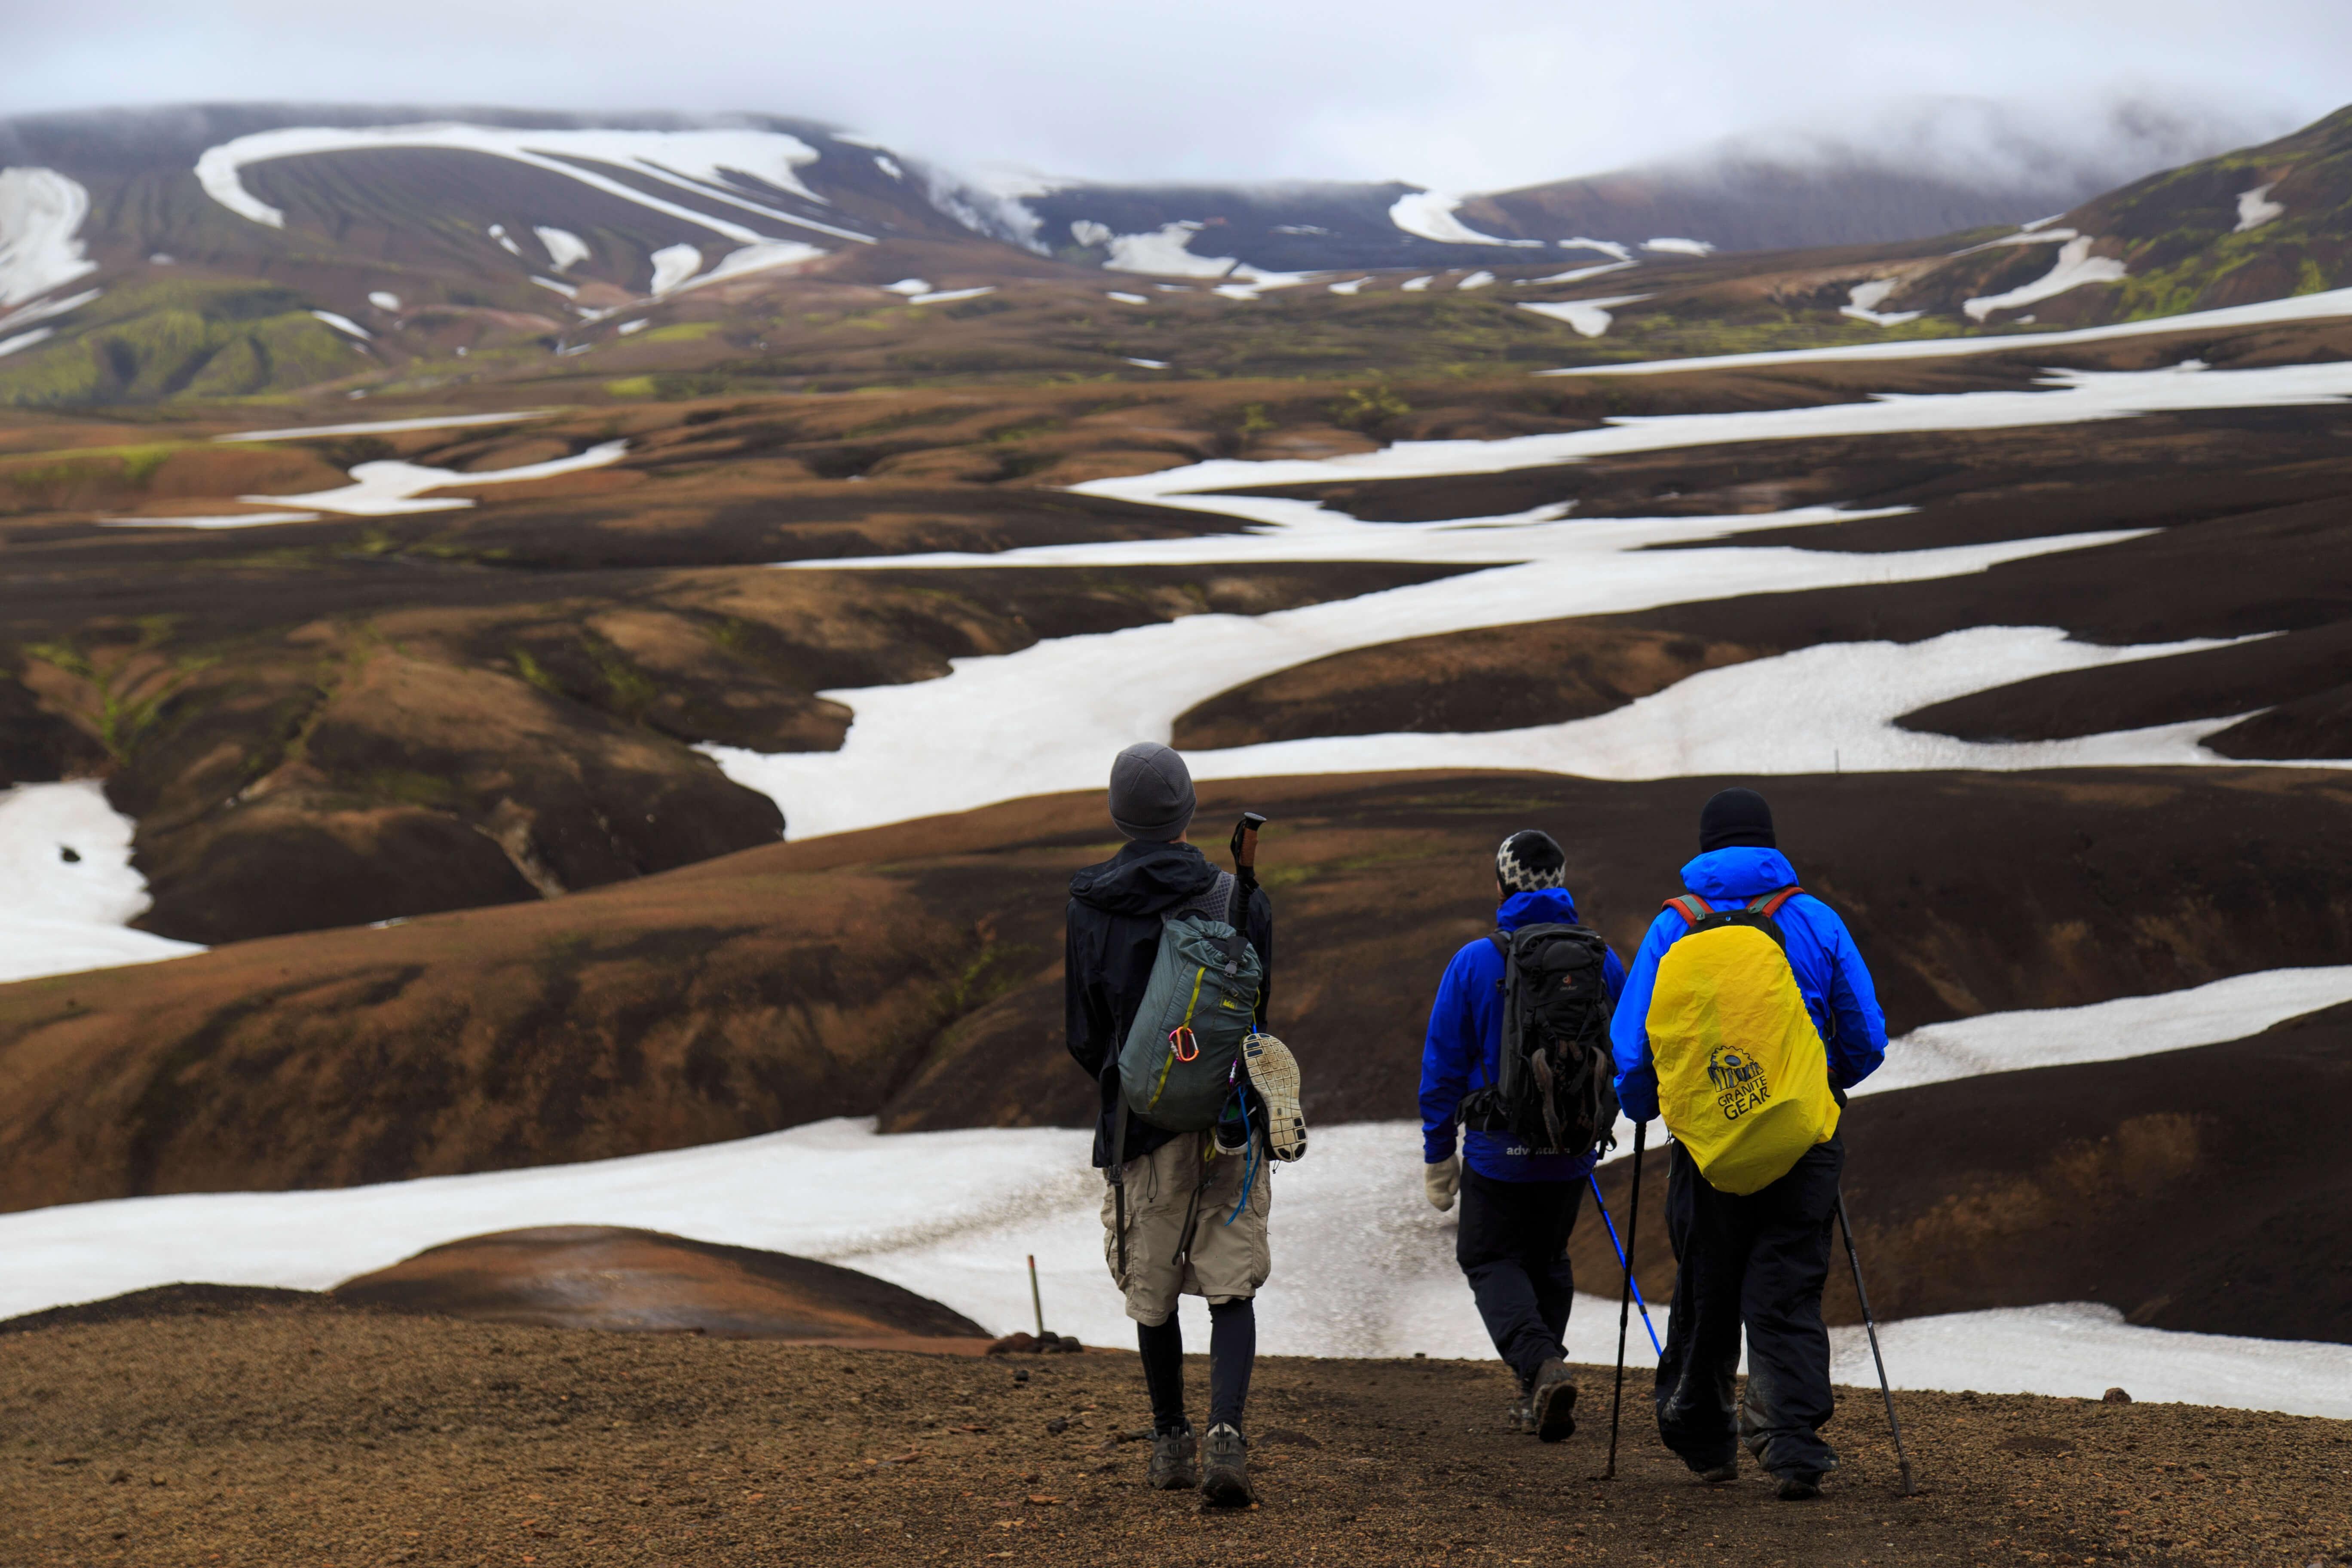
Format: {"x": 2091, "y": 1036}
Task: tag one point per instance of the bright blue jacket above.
{"x": 1464, "y": 1047}
{"x": 1830, "y": 972}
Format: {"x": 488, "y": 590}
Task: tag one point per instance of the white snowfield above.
{"x": 1429, "y": 215}
{"x": 2328, "y": 305}
{"x": 1363, "y": 1265}
{"x": 388, "y": 427}
{"x": 704, "y": 163}
{"x": 2255, "y": 208}
{"x": 1042, "y": 719}
{"x": 41, "y": 214}
{"x": 64, "y": 858}
{"x": 1591, "y": 317}
{"x": 2075, "y": 268}
{"x": 381, "y": 488}
{"x": 565, "y": 249}
{"x": 1676, "y": 246}
{"x": 1863, "y": 299}
{"x": 2232, "y": 1009}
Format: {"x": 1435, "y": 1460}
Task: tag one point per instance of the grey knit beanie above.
{"x": 1150, "y": 792}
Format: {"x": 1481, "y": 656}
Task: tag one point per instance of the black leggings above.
{"x": 1232, "y": 1352}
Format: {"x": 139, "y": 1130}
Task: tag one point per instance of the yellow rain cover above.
{"x": 1743, "y": 1079}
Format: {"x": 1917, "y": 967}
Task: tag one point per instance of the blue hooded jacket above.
{"x": 1464, "y": 1047}
{"x": 1830, "y": 972}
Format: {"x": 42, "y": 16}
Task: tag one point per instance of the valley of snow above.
{"x": 1045, "y": 718}
{"x": 1363, "y": 1265}
{"x": 41, "y": 213}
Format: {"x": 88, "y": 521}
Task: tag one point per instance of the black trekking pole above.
{"x": 1902, "y": 1459}
{"x": 1625, "y": 1296}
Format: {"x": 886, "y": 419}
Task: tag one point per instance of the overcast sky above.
{"x": 1457, "y": 94}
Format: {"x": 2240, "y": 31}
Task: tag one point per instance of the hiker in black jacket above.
{"x": 1173, "y": 1181}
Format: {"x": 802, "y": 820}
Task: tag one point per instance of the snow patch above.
{"x": 44, "y": 309}
{"x": 1863, "y": 299}
{"x": 381, "y": 488}
{"x": 909, "y": 285}
{"x": 1577, "y": 274}
{"x": 2255, "y": 208}
{"x": 1588, "y": 317}
{"x": 344, "y": 325}
{"x": 26, "y": 339}
{"x": 1679, "y": 247}
{"x": 1148, "y": 363}
{"x": 2075, "y": 267}
{"x": 384, "y": 302}
{"x": 564, "y": 248}
{"x": 1416, "y": 285}
{"x": 2329, "y": 305}
{"x": 41, "y": 214}
{"x": 673, "y": 265}
{"x": 1351, "y": 286}
{"x": 626, "y": 327}
{"x": 1606, "y": 248}
{"x": 889, "y": 165}
{"x": 760, "y": 257}
{"x": 1475, "y": 280}
{"x": 949, "y": 296}
{"x": 709, "y": 163}
{"x": 221, "y": 521}
{"x": 64, "y": 858}
{"x": 388, "y": 427}
{"x": 497, "y": 231}
{"x": 1090, "y": 234}
{"x": 1165, "y": 251}
{"x": 1125, "y": 299}
{"x": 1429, "y": 215}
{"x": 2028, "y": 236}
{"x": 568, "y": 291}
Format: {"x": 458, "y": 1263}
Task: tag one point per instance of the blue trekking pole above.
{"x": 1632, "y": 1224}
{"x": 1602, "y": 1204}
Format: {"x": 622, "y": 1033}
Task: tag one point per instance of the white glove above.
{"x": 1444, "y": 1179}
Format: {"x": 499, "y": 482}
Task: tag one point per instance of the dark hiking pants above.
{"x": 1514, "y": 1247}
{"x": 1756, "y": 1262}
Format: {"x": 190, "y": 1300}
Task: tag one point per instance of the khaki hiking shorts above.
{"x": 1228, "y": 1263}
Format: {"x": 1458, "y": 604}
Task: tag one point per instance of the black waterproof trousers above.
{"x": 1514, "y": 1246}
{"x": 1756, "y": 1262}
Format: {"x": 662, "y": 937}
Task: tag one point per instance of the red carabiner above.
{"x": 1183, "y": 1042}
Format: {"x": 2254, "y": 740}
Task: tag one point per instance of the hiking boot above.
{"x": 1797, "y": 1485}
{"x": 1274, "y": 1073}
{"x": 1553, "y": 1402}
{"x": 1226, "y": 1482}
{"x": 1716, "y": 1475}
{"x": 1172, "y": 1469}
{"x": 1521, "y": 1415}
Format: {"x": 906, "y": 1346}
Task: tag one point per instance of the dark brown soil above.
{"x": 2195, "y": 1190}
{"x": 605, "y": 1277}
{"x": 310, "y": 1433}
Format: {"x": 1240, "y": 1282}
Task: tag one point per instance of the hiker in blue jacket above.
{"x": 1757, "y": 1261}
{"x": 1518, "y": 1208}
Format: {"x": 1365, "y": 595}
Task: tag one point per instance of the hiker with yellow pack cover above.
{"x": 1747, "y": 1015}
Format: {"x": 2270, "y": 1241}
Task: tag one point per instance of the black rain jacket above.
{"x": 1113, "y": 936}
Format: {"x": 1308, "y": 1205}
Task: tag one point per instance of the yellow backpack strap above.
{"x": 1691, "y": 906}
{"x": 1769, "y": 904}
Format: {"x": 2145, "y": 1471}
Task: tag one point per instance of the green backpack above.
{"x": 1183, "y": 1056}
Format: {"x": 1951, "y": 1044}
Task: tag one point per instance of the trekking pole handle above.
{"x": 1244, "y": 841}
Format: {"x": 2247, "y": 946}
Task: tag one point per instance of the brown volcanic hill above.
{"x": 2195, "y": 1189}
{"x": 611, "y": 1278}
{"x": 913, "y": 972}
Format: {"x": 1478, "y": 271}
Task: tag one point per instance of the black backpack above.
{"x": 1558, "y": 1092}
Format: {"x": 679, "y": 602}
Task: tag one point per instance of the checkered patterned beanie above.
{"x": 1530, "y": 860}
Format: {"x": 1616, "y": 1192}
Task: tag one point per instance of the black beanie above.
{"x": 1150, "y": 792}
{"x": 1530, "y": 860}
{"x": 1734, "y": 817}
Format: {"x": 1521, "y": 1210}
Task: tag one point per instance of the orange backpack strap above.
{"x": 1769, "y": 904}
{"x": 1691, "y": 906}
